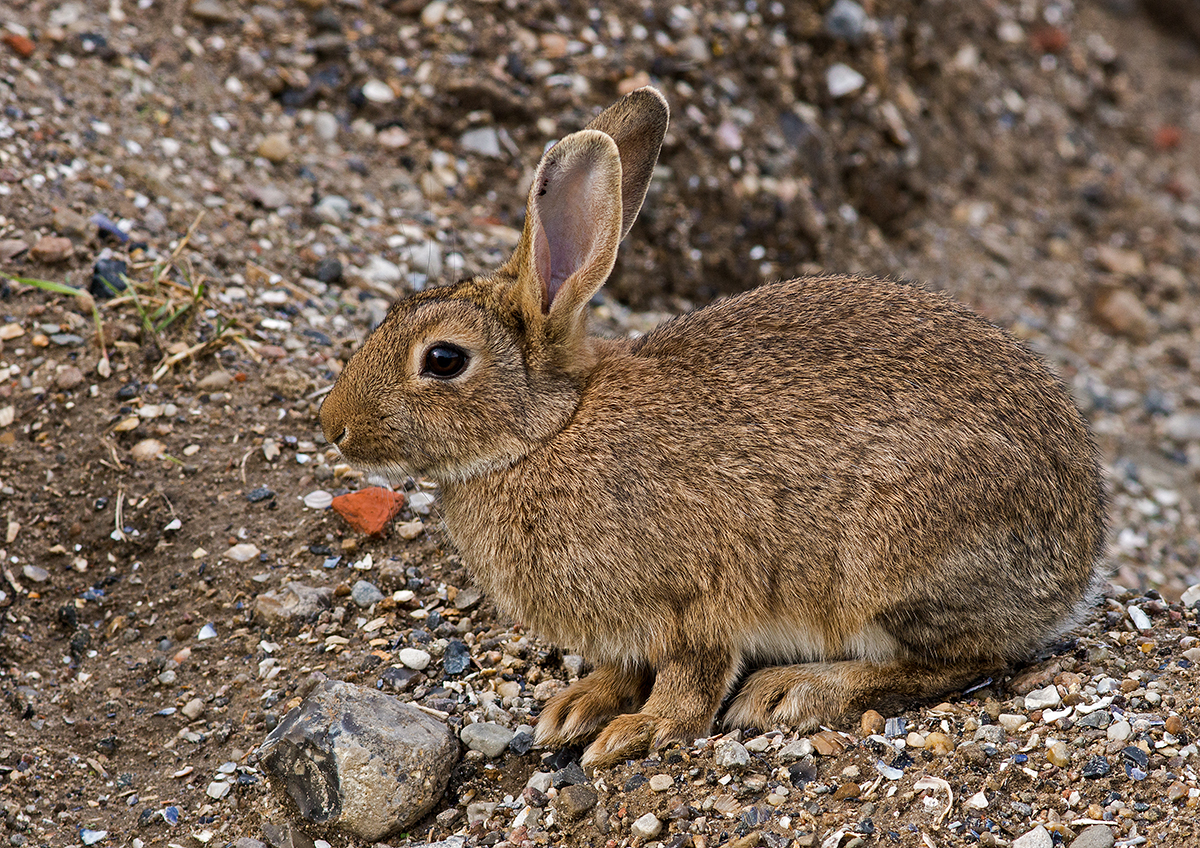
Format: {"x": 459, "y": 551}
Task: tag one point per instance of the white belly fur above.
{"x": 786, "y": 642}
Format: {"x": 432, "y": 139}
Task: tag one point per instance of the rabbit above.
{"x": 819, "y": 496}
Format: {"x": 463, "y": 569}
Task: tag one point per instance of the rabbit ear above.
{"x": 637, "y": 123}
{"x": 573, "y": 224}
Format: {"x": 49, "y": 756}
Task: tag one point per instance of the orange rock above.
{"x": 369, "y": 510}
{"x": 21, "y": 45}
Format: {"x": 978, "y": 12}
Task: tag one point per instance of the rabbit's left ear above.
{"x": 637, "y": 123}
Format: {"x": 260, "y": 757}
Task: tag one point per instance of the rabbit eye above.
{"x": 444, "y": 361}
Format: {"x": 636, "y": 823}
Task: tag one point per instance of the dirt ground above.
{"x": 273, "y": 174}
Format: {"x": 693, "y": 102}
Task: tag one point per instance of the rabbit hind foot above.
{"x": 808, "y": 695}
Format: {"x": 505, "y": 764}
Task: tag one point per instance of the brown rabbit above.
{"x": 853, "y": 477}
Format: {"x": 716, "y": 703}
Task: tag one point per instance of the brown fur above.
{"x": 855, "y": 475}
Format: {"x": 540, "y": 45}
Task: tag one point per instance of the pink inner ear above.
{"x": 567, "y": 208}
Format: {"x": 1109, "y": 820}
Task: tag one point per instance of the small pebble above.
{"x": 318, "y": 499}
{"x": 243, "y": 552}
{"x": 1119, "y": 731}
{"x": 1097, "y": 767}
{"x": 275, "y": 147}
{"x": 1011, "y": 722}
{"x": 378, "y": 91}
{"x": 1039, "y": 837}
{"x": 1139, "y": 618}
{"x": 413, "y": 658}
{"x": 575, "y": 801}
{"x": 872, "y": 722}
{"x": 846, "y": 21}
{"x": 1040, "y": 699}
{"x": 457, "y": 658}
{"x": 1094, "y": 836}
{"x": 939, "y": 743}
{"x": 730, "y": 754}
{"x": 661, "y": 782}
{"x": 211, "y": 11}
{"x": 365, "y": 594}
{"x": 487, "y": 737}
{"x": 842, "y": 80}
{"x": 1058, "y": 754}
{"x": 795, "y": 750}
{"x": 847, "y": 791}
{"x": 52, "y": 249}
{"x": 147, "y": 449}
{"x": 646, "y": 827}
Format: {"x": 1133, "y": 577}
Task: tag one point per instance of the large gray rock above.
{"x": 359, "y": 760}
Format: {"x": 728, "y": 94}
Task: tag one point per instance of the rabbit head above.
{"x": 466, "y": 378}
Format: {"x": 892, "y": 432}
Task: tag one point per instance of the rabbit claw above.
{"x": 633, "y": 735}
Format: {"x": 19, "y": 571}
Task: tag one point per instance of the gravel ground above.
{"x": 272, "y": 175}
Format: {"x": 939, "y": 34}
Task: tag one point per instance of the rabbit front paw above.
{"x": 588, "y": 704}
{"x": 630, "y": 736}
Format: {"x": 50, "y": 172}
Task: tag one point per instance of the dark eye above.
{"x": 444, "y": 361}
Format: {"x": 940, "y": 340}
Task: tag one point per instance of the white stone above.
{"x": 243, "y": 552}
{"x": 758, "y": 744}
{"x": 1119, "y": 731}
{"x": 647, "y": 827}
{"x": 488, "y": 737}
{"x": 414, "y": 658}
{"x": 1139, "y": 618}
{"x": 661, "y": 783}
{"x": 730, "y": 754}
{"x": 978, "y": 801}
{"x": 1040, "y": 699}
{"x": 325, "y": 125}
{"x": 842, "y": 80}
{"x": 797, "y": 750}
{"x": 434, "y": 13}
{"x": 380, "y": 270}
{"x": 482, "y": 140}
{"x": 1039, "y": 837}
{"x": 1191, "y": 596}
{"x": 1011, "y": 722}
{"x": 319, "y": 499}
{"x": 378, "y": 91}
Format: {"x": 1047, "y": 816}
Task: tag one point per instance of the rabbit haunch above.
{"x": 852, "y": 492}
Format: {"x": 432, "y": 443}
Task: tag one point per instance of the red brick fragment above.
{"x": 21, "y": 45}
{"x": 369, "y": 510}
